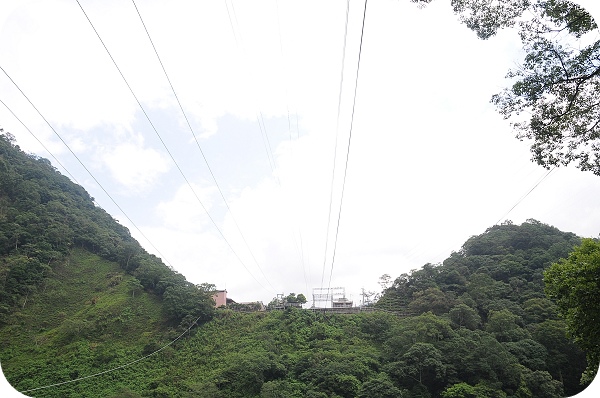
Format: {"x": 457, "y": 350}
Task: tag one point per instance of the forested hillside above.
{"x": 73, "y": 279}
{"x": 493, "y": 290}
{"x": 79, "y": 296}
{"x": 44, "y": 217}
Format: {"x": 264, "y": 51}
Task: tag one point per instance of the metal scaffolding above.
{"x": 334, "y": 296}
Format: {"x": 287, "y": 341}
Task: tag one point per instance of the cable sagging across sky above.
{"x": 118, "y": 367}
{"x": 335, "y": 144}
{"x": 199, "y": 147}
{"x": 337, "y": 230}
{"x": 168, "y": 151}
{"x": 85, "y": 168}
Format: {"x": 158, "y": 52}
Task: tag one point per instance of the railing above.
{"x": 330, "y": 310}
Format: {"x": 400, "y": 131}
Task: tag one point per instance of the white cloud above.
{"x": 184, "y": 213}
{"x": 431, "y": 162}
{"x": 136, "y": 168}
{"x": 62, "y": 68}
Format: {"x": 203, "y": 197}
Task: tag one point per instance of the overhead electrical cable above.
{"x": 521, "y": 199}
{"x": 349, "y": 142}
{"x": 41, "y": 143}
{"x": 235, "y": 19}
{"x": 167, "y": 149}
{"x": 285, "y": 73}
{"x": 198, "y": 145}
{"x": 305, "y": 264}
{"x": 259, "y": 116}
{"x": 86, "y": 169}
{"x": 233, "y": 22}
{"x": 118, "y": 367}
{"x": 336, "y": 142}
{"x": 267, "y": 143}
{"x": 526, "y": 195}
{"x": 287, "y": 107}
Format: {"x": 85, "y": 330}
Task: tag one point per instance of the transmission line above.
{"x": 233, "y": 22}
{"x": 336, "y": 142}
{"x": 349, "y": 141}
{"x": 118, "y": 367}
{"x": 83, "y": 165}
{"x": 259, "y": 116}
{"x": 198, "y": 144}
{"x": 526, "y": 195}
{"x": 521, "y": 199}
{"x": 285, "y": 73}
{"x": 167, "y": 149}
{"x": 40, "y": 142}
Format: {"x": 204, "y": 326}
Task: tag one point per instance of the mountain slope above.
{"x": 495, "y": 284}
{"x": 44, "y": 216}
{"x": 80, "y": 297}
{"x": 77, "y": 292}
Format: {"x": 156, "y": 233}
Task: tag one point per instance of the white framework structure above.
{"x": 334, "y": 296}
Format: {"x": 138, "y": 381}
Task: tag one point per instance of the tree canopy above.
{"x": 477, "y": 325}
{"x": 575, "y": 285}
{"x": 553, "y": 97}
{"x": 485, "y": 310}
{"x": 44, "y": 216}
{"x": 79, "y": 296}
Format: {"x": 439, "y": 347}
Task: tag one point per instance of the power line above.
{"x": 118, "y": 367}
{"x": 166, "y": 148}
{"x": 349, "y": 141}
{"x": 267, "y": 143}
{"x": 86, "y": 169}
{"x": 287, "y": 107}
{"x": 521, "y": 199}
{"x": 304, "y": 263}
{"x": 526, "y": 195}
{"x": 336, "y": 142}
{"x": 260, "y": 118}
{"x": 40, "y": 142}
{"x": 231, "y": 22}
{"x": 285, "y": 73}
{"x": 198, "y": 144}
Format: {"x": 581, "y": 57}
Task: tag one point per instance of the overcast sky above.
{"x": 431, "y": 162}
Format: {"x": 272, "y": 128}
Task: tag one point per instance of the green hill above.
{"x": 77, "y": 292}
{"x": 79, "y": 297}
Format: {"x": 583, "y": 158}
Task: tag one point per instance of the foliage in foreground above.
{"x": 79, "y": 296}
{"x": 575, "y": 284}
{"x": 494, "y": 286}
{"x": 553, "y": 97}
{"x": 44, "y": 216}
{"x": 481, "y": 327}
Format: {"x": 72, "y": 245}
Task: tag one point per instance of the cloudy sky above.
{"x": 431, "y": 162}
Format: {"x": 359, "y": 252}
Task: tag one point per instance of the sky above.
{"x": 268, "y": 109}
{"x": 270, "y": 96}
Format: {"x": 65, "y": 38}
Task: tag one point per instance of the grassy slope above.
{"x": 60, "y": 335}
{"x": 242, "y": 355}
{"x": 83, "y": 320}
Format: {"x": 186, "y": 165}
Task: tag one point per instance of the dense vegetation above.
{"x": 575, "y": 285}
{"x": 492, "y": 291}
{"x": 79, "y": 296}
{"x": 552, "y": 98}
{"x": 44, "y": 216}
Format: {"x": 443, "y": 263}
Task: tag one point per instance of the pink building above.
{"x": 220, "y": 298}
